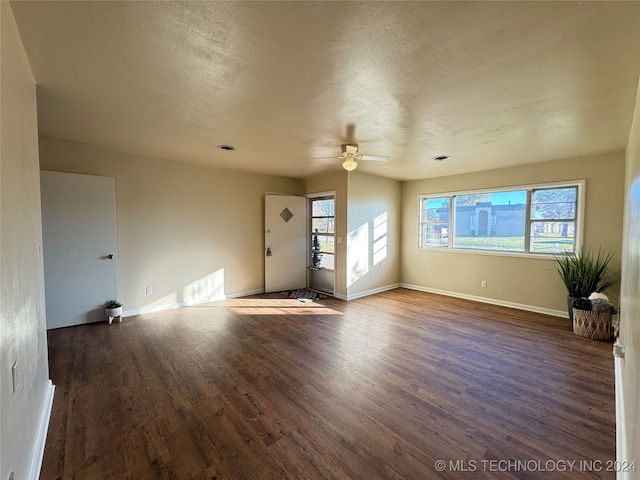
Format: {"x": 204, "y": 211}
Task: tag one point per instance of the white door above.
{"x": 285, "y": 242}
{"x": 79, "y": 240}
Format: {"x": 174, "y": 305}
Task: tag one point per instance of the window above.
{"x": 535, "y": 219}
{"x": 490, "y": 221}
{"x": 553, "y": 220}
{"x": 435, "y": 224}
{"x": 322, "y": 232}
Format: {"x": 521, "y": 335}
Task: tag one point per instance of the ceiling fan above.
{"x": 350, "y": 157}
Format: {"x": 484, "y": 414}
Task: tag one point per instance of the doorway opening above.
{"x": 322, "y": 243}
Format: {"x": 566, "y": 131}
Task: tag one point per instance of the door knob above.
{"x": 110, "y": 256}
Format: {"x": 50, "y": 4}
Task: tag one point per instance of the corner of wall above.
{"x": 627, "y": 349}
{"x": 373, "y": 234}
{"x": 24, "y": 413}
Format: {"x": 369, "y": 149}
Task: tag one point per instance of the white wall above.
{"x": 23, "y": 414}
{"x": 627, "y": 369}
{"x": 373, "y": 238}
{"x": 191, "y": 232}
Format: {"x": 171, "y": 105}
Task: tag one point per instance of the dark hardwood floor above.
{"x": 382, "y": 387}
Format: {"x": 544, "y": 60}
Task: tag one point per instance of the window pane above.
{"x": 490, "y": 221}
{"x": 553, "y": 211}
{"x": 552, "y": 237}
{"x": 554, "y": 203}
{"x": 327, "y": 261}
{"x": 435, "y": 234}
{"x": 323, "y": 208}
{"x": 326, "y": 243}
{"x": 434, "y": 224}
{"x": 436, "y": 210}
{"x": 554, "y": 195}
{"x": 322, "y": 225}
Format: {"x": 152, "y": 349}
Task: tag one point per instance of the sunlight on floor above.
{"x": 271, "y": 306}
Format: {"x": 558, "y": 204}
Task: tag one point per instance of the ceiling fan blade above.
{"x": 376, "y": 158}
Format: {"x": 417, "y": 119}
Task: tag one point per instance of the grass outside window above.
{"x": 537, "y": 219}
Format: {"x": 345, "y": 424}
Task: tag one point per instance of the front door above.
{"x": 79, "y": 240}
{"x": 285, "y": 242}
{"x": 483, "y": 223}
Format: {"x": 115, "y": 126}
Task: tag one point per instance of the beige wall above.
{"x": 335, "y": 182}
{"x": 373, "y": 238}
{"x": 515, "y": 280}
{"x": 191, "y": 232}
{"x": 187, "y": 229}
{"x": 22, "y": 318}
{"x": 627, "y": 377}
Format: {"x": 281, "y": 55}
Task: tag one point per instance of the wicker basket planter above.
{"x": 595, "y": 325}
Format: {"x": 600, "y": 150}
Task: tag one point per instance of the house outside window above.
{"x": 526, "y": 220}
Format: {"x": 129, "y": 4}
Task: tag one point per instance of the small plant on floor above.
{"x": 113, "y": 309}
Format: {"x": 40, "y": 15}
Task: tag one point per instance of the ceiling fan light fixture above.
{"x": 349, "y": 164}
{"x": 350, "y": 149}
{"x": 350, "y": 156}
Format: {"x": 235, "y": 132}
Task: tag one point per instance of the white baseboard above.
{"x": 35, "y": 465}
{"x": 173, "y": 306}
{"x": 373, "y": 291}
{"x": 157, "y": 308}
{"x": 244, "y": 294}
{"x": 475, "y": 298}
{"x": 492, "y": 301}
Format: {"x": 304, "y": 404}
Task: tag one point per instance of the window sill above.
{"x": 495, "y": 253}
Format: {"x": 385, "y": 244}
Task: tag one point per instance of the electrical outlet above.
{"x": 149, "y": 290}
{"x": 14, "y": 376}
{"x": 483, "y": 284}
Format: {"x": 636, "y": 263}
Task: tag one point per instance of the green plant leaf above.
{"x": 585, "y": 272}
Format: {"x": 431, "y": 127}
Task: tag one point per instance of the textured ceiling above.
{"x": 492, "y": 84}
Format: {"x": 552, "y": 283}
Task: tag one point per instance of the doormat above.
{"x": 304, "y": 295}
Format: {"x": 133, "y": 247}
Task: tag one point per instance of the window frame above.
{"x": 429, "y": 222}
{"x": 311, "y": 199}
{"x": 580, "y": 185}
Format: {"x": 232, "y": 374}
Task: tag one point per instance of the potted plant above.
{"x": 584, "y": 273}
{"x": 113, "y": 309}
